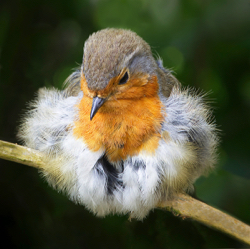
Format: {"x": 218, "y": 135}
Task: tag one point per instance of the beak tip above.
{"x": 97, "y": 103}
{"x": 92, "y": 114}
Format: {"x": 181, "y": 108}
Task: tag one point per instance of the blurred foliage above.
{"x": 207, "y": 44}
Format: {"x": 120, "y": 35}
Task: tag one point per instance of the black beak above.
{"x": 96, "y": 104}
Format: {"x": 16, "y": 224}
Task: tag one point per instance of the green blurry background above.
{"x": 207, "y": 44}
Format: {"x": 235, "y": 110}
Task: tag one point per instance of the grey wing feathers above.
{"x": 189, "y": 120}
{"x": 166, "y": 79}
{"x": 48, "y": 120}
{"x": 72, "y": 84}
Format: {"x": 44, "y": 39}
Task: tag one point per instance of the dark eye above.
{"x": 124, "y": 79}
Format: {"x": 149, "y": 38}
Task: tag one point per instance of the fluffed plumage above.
{"x": 149, "y": 139}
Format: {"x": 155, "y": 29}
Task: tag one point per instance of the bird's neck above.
{"x": 121, "y": 127}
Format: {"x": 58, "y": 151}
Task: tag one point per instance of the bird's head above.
{"x": 117, "y": 64}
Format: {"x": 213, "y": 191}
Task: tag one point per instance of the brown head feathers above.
{"x": 109, "y": 51}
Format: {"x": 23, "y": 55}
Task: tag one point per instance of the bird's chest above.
{"x": 122, "y": 128}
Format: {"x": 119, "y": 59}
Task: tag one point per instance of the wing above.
{"x": 189, "y": 137}
{"x": 72, "y": 84}
{"x": 166, "y": 79}
{"x": 48, "y": 120}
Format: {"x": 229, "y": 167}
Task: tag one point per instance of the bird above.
{"x": 123, "y": 134}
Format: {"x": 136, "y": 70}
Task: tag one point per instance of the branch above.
{"x": 21, "y": 154}
{"x": 188, "y": 207}
{"x": 184, "y": 205}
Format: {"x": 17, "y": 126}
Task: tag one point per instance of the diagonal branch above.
{"x": 188, "y": 207}
{"x": 183, "y": 205}
{"x": 21, "y": 154}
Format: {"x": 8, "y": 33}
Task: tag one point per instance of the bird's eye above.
{"x": 124, "y": 79}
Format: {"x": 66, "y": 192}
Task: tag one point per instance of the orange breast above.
{"x": 122, "y": 127}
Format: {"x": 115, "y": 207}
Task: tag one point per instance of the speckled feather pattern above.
{"x": 135, "y": 185}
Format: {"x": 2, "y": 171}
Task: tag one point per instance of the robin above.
{"x": 123, "y": 135}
